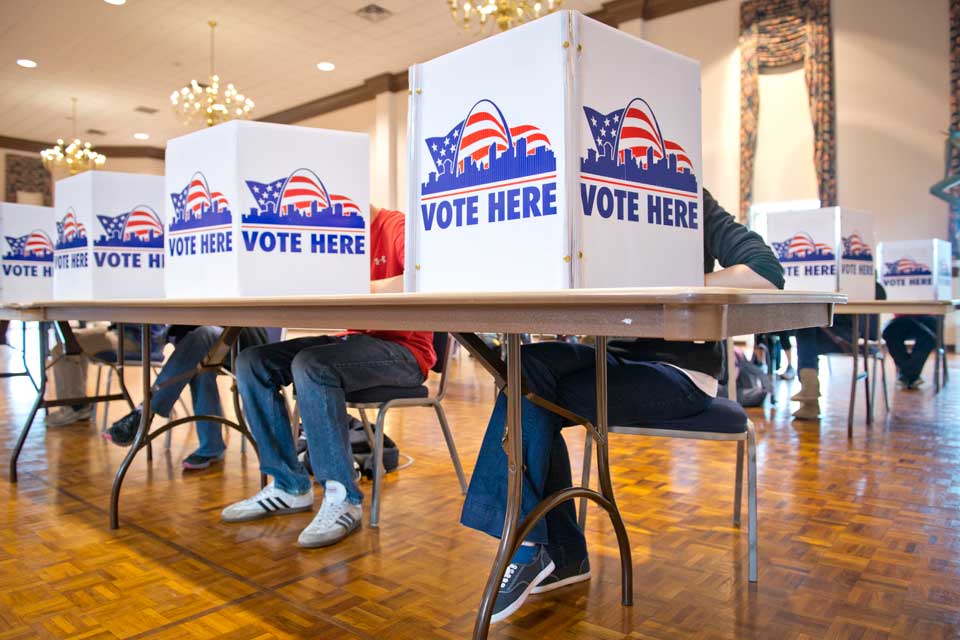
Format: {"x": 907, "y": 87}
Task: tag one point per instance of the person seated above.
{"x": 923, "y": 331}
{"x": 323, "y": 370}
{"x": 816, "y": 341}
{"x": 775, "y": 344}
{"x": 70, "y": 371}
{"x": 647, "y": 380}
{"x": 192, "y": 346}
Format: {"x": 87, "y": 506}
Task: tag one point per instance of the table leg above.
{"x": 41, "y": 390}
{"x": 853, "y": 379}
{"x": 940, "y": 359}
{"x": 145, "y": 418}
{"x": 513, "y": 446}
{"x": 866, "y": 374}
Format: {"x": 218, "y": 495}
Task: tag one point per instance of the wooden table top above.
{"x": 919, "y": 307}
{"x": 676, "y": 313}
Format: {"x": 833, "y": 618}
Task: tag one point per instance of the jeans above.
{"x": 565, "y": 374}
{"x": 921, "y": 329}
{"x": 190, "y": 352}
{"x": 323, "y": 369}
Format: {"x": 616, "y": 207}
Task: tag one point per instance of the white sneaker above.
{"x": 67, "y": 415}
{"x": 269, "y": 501}
{"x": 333, "y": 523}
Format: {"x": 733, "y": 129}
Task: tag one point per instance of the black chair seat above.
{"x": 383, "y": 394}
{"x": 722, "y": 416}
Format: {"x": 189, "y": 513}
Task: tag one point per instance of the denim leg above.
{"x": 206, "y": 402}
{"x": 637, "y": 391}
{"x": 323, "y": 375}
{"x": 920, "y": 329}
{"x": 188, "y": 354}
{"x": 261, "y": 372}
{"x": 808, "y": 356}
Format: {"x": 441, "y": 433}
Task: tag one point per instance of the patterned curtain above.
{"x": 777, "y": 33}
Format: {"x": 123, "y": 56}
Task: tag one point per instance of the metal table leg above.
{"x": 854, "y": 375}
{"x": 940, "y": 359}
{"x": 41, "y": 390}
{"x": 868, "y": 399}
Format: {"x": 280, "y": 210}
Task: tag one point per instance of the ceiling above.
{"x": 116, "y": 58}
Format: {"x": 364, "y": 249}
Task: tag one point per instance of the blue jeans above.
{"x": 814, "y": 342}
{"x": 323, "y": 369}
{"x": 565, "y": 374}
{"x": 921, "y": 329}
{"x": 190, "y": 352}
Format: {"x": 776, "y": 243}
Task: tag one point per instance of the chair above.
{"x": 385, "y": 398}
{"x": 724, "y": 420}
{"x": 108, "y": 360}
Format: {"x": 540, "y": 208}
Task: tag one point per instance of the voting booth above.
{"x": 256, "y": 209}
{"x": 915, "y": 269}
{"x": 27, "y": 257}
{"x": 560, "y": 154}
{"x": 830, "y": 249}
{"x": 109, "y": 236}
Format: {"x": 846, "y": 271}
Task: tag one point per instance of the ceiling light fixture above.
{"x": 142, "y": 136}
{"x": 205, "y": 103}
{"x": 27, "y": 63}
{"x": 326, "y": 66}
{"x": 116, "y": 3}
{"x": 503, "y": 13}
{"x": 74, "y": 157}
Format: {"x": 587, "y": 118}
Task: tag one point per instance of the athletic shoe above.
{"x": 197, "y": 462}
{"x": 333, "y": 523}
{"x": 788, "y": 374}
{"x": 519, "y": 580}
{"x": 914, "y": 384}
{"x": 123, "y": 431}
{"x": 563, "y": 576}
{"x": 68, "y": 415}
{"x": 269, "y": 501}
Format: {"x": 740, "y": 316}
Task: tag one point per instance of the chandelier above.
{"x": 503, "y": 13}
{"x": 196, "y": 103}
{"x": 74, "y": 157}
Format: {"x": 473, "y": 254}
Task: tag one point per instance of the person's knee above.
{"x": 308, "y": 369}
{"x": 251, "y": 363}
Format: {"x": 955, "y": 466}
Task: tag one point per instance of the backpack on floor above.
{"x": 362, "y": 454}
{"x": 753, "y": 384}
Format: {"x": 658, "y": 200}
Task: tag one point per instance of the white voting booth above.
{"x": 27, "y": 256}
{"x": 109, "y": 236}
{"x": 915, "y": 269}
{"x": 830, "y": 249}
{"x": 563, "y": 153}
{"x": 256, "y": 209}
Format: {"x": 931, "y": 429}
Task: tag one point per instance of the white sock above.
{"x": 334, "y": 492}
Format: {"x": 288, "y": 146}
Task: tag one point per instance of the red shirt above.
{"x": 387, "y": 241}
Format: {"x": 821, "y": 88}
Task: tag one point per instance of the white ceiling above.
{"x": 114, "y": 59}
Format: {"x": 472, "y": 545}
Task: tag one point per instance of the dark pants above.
{"x": 323, "y": 369}
{"x": 564, "y": 374}
{"x": 814, "y": 342}
{"x": 921, "y": 329}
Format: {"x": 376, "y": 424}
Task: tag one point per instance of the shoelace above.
{"x": 509, "y": 574}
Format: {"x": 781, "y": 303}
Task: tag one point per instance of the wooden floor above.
{"x": 858, "y": 539}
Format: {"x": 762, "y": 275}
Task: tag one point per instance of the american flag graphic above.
{"x": 38, "y": 244}
{"x": 907, "y": 267}
{"x": 196, "y": 198}
{"x": 634, "y": 128}
{"x": 800, "y": 247}
{"x": 71, "y": 228}
{"x": 474, "y": 136}
{"x": 142, "y": 222}
{"x": 301, "y": 189}
{"x": 854, "y": 248}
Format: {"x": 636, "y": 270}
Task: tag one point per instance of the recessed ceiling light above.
{"x": 116, "y": 3}
{"x": 142, "y": 136}
{"x": 26, "y": 63}
{"x": 326, "y": 66}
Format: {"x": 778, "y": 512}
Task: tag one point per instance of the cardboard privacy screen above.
{"x": 915, "y": 269}
{"x": 27, "y": 256}
{"x": 109, "y": 236}
{"x": 256, "y": 209}
{"x": 827, "y": 249}
{"x": 559, "y": 154}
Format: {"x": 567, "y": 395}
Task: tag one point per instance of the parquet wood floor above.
{"x": 858, "y": 539}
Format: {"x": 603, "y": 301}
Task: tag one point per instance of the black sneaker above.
{"x": 562, "y": 576}
{"x": 519, "y": 581}
{"x": 124, "y": 430}
{"x": 197, "y": 462}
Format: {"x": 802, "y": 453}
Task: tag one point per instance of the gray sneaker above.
{"x": 519, "y": 581}
{"x": 565, "y": 575}
{"x": 334, "y": 522}
{"x": 68, "y": 415}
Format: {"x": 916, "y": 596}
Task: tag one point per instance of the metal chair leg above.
{"x": 752, "y": 501}
{"x": 106, "y": 405}
{"x": 585, "y": 478}
{"x": 883, "y": 382}
{"x": 451, "y": 446}
{"x": 96, "y": 392}
{"x": 377, "y": 470}
{"x": 738, "y": 485}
